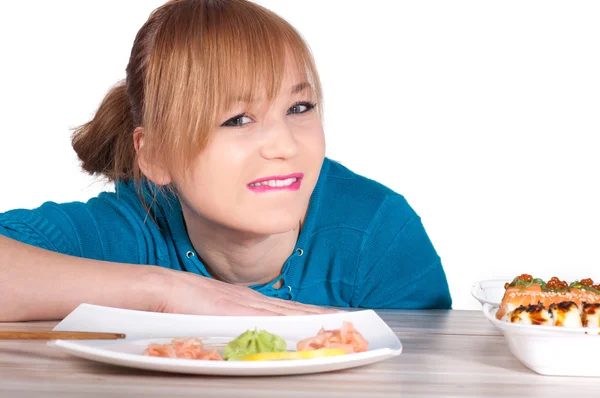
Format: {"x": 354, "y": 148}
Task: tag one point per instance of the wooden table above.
{"x": 446, "y": 354}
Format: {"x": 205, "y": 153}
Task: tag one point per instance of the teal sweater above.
{"x": 361, "y": 245}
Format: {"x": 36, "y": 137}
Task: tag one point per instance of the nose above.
{"x": 279, "y": 142}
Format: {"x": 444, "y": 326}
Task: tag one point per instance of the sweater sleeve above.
{"x": 398, "y": 265}
{"x": 104, "y": 228}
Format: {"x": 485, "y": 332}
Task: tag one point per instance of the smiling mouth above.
{"x": 291, "y": 183}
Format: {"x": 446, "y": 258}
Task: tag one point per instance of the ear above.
{"x": 154, "y": 171}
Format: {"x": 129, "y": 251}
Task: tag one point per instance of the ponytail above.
{"x": 105, "y": 144}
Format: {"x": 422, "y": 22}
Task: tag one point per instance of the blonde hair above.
{"x": 189, "y": 63}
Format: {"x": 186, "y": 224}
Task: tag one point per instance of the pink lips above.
{"x": 256, "y": 185}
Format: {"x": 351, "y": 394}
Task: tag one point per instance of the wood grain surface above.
{"x": 446, "y": 354}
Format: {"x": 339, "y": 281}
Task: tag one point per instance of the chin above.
{"x": 275, "y": 227}
{"x": 274, "y": 222}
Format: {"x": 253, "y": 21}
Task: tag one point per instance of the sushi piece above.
{"x": 590, "y": 315}
{"x": 567, "y": 314}
{"x": 531, "y": 315}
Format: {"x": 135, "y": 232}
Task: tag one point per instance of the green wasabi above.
{"x": 253, "y": 342}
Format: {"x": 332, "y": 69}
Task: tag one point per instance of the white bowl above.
{"x": 490, "y": 291}
{"x": 551, "y": 350}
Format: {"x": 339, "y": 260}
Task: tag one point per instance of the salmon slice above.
{"x": 346, "y": 338}
{"x": 192, "y": 348}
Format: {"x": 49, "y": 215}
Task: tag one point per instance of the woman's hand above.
{"x": 37, "y": 284}
{"x": 185, "y": 293}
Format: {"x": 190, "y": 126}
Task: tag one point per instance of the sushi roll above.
{"x": 567, "y": 314}
{"x": 590, "y": 315}
{"x": 531, "y": 315}
{"x": 525, "y": 291}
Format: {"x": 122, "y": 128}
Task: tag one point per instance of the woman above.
{"x": 225, "y": 203}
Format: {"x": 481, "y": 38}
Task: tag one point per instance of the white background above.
{"x": 484, "y": 115}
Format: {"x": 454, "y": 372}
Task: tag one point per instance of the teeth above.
{"x": 276, "y": 183}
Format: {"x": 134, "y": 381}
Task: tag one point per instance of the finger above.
{"x": 236, "y": 309}
{"x": 286, "y": 307}
{"x": 307, "y": 308}
{"x": 280, "y": 310}
{"x": 298, "y": 310}
{"x": 280, "y": 307}
{"x": 290, "y": 311}
{"x": 292, "y": 308}
{"x": 296, "y": 305}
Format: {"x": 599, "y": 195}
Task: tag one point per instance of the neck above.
{"x": 236, "y": 257}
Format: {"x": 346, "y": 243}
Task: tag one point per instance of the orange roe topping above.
{"x": 555, "y": 283}
{"x": 526, "y": 277}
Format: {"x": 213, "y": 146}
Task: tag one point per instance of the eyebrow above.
{"x": 298, "y": 88}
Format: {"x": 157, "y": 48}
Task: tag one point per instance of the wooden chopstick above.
{"x": 60, "y": 336}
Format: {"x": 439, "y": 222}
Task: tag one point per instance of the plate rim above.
{"x": 72, "y": 346}
{"x": 225, "y": 368}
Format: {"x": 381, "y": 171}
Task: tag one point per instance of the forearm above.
{"x": 37, "y": 284}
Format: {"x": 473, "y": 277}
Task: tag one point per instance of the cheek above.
{"x": 221, "y": 165}
{"x": 210, "y": 186}
{"x": 319, "y": 143}
{"x": 312, "y": 138}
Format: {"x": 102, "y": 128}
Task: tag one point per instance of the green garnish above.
{"x": 253, "y": 342}
{"x": 543, "y": 285}
{"x": 578, "y": 285}
{"x": 524, "y": 284}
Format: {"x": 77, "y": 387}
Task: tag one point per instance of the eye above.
{"x": 237, "y": 121}
{"x": 301, "y": 107}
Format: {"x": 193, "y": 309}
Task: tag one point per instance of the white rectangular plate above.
{"x": 143, "y": 328}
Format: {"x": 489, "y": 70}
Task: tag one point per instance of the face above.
{"x": 260, "y": 168}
